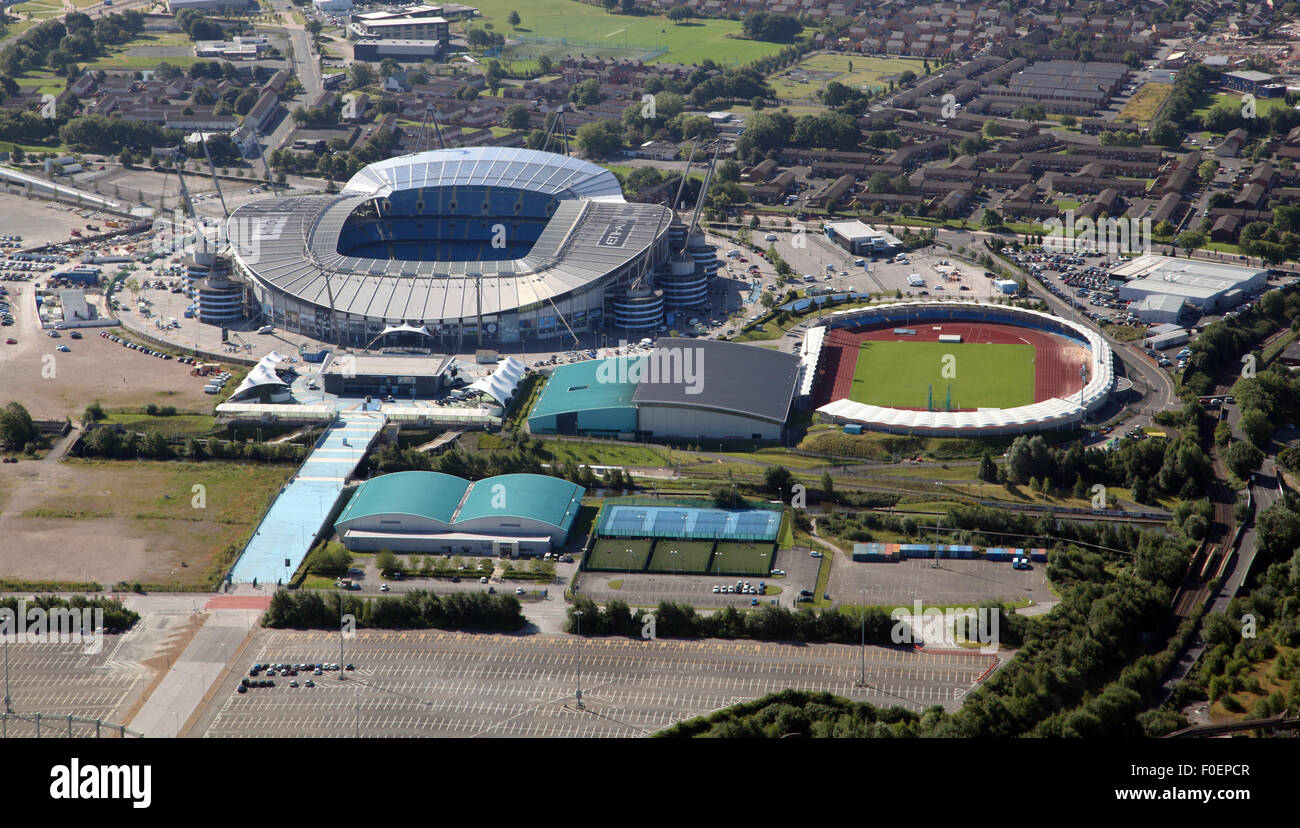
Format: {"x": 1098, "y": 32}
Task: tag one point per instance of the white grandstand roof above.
{"x": 502, "y": 382}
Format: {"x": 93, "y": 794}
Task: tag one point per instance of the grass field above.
{"x": 1144, "y": 103}
{"x": 589, "y": 30}
{"x": 619, "y": 554}
{"x": 136, "y": 520}
{"x": 681, "y": 556}
{"x": 806, "y": 78}
{"x": 1263, "y": 106}
{"x": 899, "y": 374}
{"x": 736, "y": 558}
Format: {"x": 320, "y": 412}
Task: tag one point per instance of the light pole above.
{"x": 8, "y": 707}
{"x": 862, "y": 682}
{"x": 937, "y": 517}
{"x": 577, "y": 614}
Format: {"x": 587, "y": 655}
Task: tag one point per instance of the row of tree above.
{"x": 418, "y": 609}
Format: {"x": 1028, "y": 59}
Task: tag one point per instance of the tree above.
{"x": 362, "y": 75}
{"x": 516, "y": 117}
{"x": 513, "y": 19}
{"x": 387, "y": 563}
{"x": 598, "y": 139}
{"x": 779, "y": 480}
{"x": 627, "y": 6}
{"x": 1257, "y": 428}
{"x": 1189, "y": 240}
{"x": 1068, "y": 120}
{"x": 988, "y": 469}
{"x": 827, "y": 485}
{"x": 610, "y": 5}
{"x": 679, "y": 13}
{"x": 991, "y": 219}
{"x": 16, "y": 426}
{"x": 1242, "y": 459}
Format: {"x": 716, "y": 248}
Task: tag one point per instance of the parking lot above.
{"x": 951, "y": 582}
{"x": 466, "y": 685}
{"x": 649, "y": 588}
{"x": 61, "y": 680}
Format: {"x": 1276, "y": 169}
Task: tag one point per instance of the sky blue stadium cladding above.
{"x": 689, "y": 522}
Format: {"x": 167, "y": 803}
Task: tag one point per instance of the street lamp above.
{"x": 862, "y": 682}
{"x": 938, "y": 516}
{"x": 577, "y": 614}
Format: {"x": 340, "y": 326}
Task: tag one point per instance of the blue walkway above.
{"x": 298, "y": 515}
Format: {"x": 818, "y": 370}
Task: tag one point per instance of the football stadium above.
{"x": 938, "y": 369}
{"x": 474, "y": 247}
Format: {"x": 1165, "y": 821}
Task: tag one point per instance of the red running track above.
{"x": 1056, "y": 363}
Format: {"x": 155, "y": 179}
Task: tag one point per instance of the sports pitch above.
{"x": 681, "y": 556}
{"x": 619, "y": 554}
{"x": 736, "y": 558}
{"x": 900, "y": 375}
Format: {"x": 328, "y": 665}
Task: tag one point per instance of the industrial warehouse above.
{"x": 1206, "y": 286}
{"x": 684, "y": 388}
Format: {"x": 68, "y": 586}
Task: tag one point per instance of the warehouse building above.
{"x": 1207, "y": 287}
{"x": 694, "y": 388}
{"x": 1158, "y": 308}
{"x": 861, "y": 239}
{"x": 510, "y": 515}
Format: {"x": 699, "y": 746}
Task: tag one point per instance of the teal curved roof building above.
{"x": 419, "y": 511}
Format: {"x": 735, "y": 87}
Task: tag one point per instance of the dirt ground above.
{"x": 41, "y": 222}
{"x": 110, "y": 521}
{"x": 53, "y": 385}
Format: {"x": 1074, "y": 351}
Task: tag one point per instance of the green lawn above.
{"x": 590, "y": 30}
{"x": 177, "y": 425}
{"x": 806, "y": 78}
{"x": 1263, "y": 106}
{"x": 681, "y": 556}
{"x": 899, "y": 374}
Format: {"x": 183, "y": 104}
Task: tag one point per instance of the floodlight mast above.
{"x": 699, "y": 201}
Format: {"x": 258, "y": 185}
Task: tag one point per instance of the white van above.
{"x": 770, "y": 237}
{"x": 266, "y": 329}
{"x": 901, "y": 258}
{"x": 211, "y": 388}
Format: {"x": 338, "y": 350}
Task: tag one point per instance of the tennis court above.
{"x": 732, "y": 558}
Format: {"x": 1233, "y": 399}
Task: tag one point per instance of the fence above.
{"x": 41, "y": 725}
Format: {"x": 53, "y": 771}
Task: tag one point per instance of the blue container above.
{"x": 852, "y": 428}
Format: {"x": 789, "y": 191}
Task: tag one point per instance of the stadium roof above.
{"x": 292, "y": 243}
{"x": 540, "y": 172}
{"x": 453, "y": 501}
{"x": 745, "y": 379}
{"x": 580, "y": 387}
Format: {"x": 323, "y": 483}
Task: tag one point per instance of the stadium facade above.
{"x": 476, "y": 247}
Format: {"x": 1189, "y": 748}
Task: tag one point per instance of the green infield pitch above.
{"x": 738, "y": 558}
{"x": 681, "y": 556}
{"x": 619, "y": 555}
{"x": 981, "y": 375}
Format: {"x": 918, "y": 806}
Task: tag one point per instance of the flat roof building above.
{"x": 358, "y": 375}
{"x": 859, "y": 238}
{"x": 1206, "y": 286}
